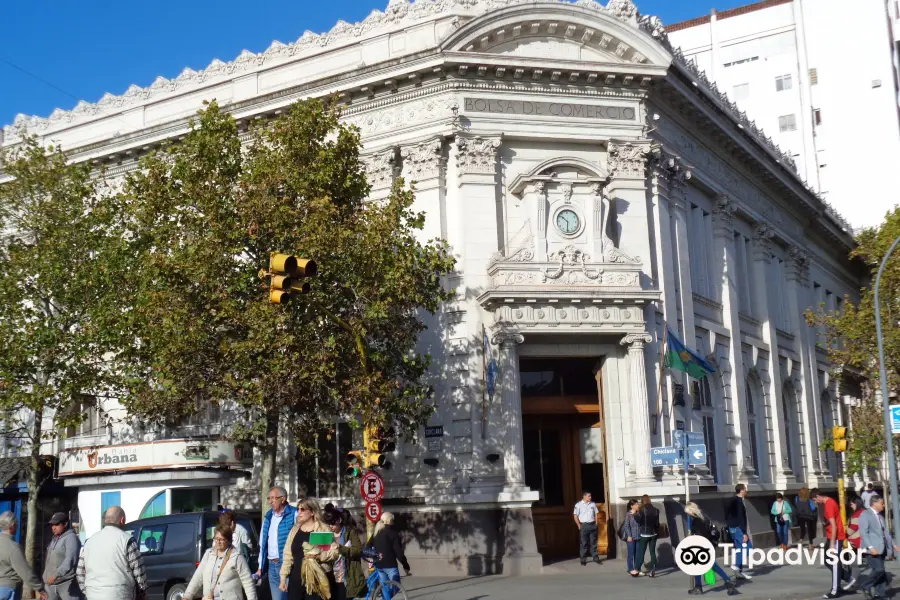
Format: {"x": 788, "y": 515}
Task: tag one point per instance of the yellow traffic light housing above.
{"x": 355, "y": 460}
{"x": 286, "y": 271}
{"x": 378, "y": 443}
{"x": 839, "y": 436}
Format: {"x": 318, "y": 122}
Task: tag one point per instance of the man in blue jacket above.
{"x": 275, "y": 529}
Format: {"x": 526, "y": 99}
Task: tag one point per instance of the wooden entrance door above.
{"x": 564, "y": 455}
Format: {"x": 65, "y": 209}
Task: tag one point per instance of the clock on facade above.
{"x": 567, "y": 221}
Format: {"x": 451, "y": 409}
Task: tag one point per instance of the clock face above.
{"x": 567, "y": 221}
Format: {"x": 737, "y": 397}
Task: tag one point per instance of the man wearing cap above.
{"x": 62, "y": 560}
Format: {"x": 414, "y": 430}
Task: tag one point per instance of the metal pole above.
{"x": 885, "y": 398}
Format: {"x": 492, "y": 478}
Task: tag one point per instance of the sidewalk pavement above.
{"x": 569, "y": 579}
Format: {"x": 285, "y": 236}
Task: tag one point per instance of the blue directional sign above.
{"x": 665, "y": 455}
{"x": 694, "y": 438}
{"x": 895, "y": 418}
{"x": 697, "y": 454}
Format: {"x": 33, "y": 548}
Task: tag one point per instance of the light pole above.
{"x": 888, "y": 432}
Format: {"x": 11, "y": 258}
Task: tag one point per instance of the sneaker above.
{"x": 583, "y": 561}
{"x": 695, "y": 592}
{"x": 830, "y": 595}
{"x": 731, "y": 587}
{"x": 597, "y": 560}
{"x": 741, "y": 575}
{"x": 849, "y": 585}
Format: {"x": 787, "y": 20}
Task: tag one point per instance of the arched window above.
{"x": 155, "y": 507}
{"x": 702, "y": 398}
{"x": 752, "y": 429}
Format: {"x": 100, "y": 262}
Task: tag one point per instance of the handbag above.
{"x": 621, "y": 533}
{"x": 662, "y": 531}
{"x": 709, "y": 578}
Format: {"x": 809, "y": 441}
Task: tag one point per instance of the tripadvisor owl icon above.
{"x": 695, "y": 555}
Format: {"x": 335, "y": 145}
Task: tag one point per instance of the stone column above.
{"x": 423, "y": 166}
{"x": 538, "y": 193}
{"x": 683, "y": 285}
{"x": 736, "y": 406}
{"x": 798, "y": 282}
{"x": 380, "y": 168}
{"x": 640, "y": 414}
{"x": 513, "y": 451}
{"x": 595, "y": 235}
{"x": 627, "y": 162}
{"x": 775, "y": 447}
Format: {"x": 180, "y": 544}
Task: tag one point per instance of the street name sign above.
{"x": 664, "y": 456}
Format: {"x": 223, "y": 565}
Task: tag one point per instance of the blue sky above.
{"x": 81, "y": 49}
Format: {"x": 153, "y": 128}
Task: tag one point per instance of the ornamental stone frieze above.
{"x": 476, "y": 155}
{"x": 543, "y": 317}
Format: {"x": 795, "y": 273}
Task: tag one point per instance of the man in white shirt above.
{"x": 585, "y": 516}
{"x": 867, "y": 496}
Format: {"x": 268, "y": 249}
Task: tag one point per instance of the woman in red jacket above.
{"x": 854, "y": 538}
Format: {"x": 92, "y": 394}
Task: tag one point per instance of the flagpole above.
{"x": 662, "y": 362}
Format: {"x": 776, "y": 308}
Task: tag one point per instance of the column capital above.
{"x": 723, "y": 215}
{"x": 797, "y": 263}
{"x": 627, "y": 159}
{"x": 636, "y": 341}
{"x": 762, "y": 241}
{"x": 476, "y": 155}
{"x": 380, "y": 167}
{"x": 423, "y": 160}
{"x": 506, "y": 336}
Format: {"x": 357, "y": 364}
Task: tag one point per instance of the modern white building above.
{"x": 785, "y": 62}
{"x": 596, "y": 191}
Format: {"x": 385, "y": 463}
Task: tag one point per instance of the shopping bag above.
{"x": 709, "y": 577}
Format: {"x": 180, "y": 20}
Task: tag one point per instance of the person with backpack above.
{"x": 699, "y": 524}
{"x": 781, "y": 515}
{"x": 807, "y": 514}
{"x": 630, "y": 533}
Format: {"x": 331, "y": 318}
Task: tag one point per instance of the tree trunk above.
{"x": 34, "y": 488}
{"x": 269, "y": 458}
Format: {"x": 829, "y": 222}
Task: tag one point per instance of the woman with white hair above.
{"x": 699, "y": 524}
{"x": 386, "y": 542}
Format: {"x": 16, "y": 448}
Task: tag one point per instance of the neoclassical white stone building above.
{"x": 596, "y": 189}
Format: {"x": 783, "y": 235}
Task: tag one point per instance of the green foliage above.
{"x": 852, "y": 342}
{"x": 55, "y": 220}
{"x": 201, "y": 219}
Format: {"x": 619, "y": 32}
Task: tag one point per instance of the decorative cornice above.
{"x": 476, "y": 155}
{"x": 424, "y": 160}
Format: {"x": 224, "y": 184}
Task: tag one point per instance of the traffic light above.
{"x": 839, "y": 435}
{"x": 287, "y": 273}
{"x": 379, "y": 443}
{"x": 355, "y": 462}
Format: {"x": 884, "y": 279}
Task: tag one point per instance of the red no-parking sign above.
{"x": 371, "y": 488}
{"x": 373, "y": 511}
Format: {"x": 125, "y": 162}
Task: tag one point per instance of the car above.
{"x": 172, "y": 546}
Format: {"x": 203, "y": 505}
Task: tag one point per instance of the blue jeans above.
{"x": 737, "y": 538}
{"x": 632, "y": 554}
{"x": 698, "y": 579}
{"x": 388, "y": 575}
{"x": 783, "y": 532}
{"x": 275, "y": 581}
{"x": 8, "y": 593}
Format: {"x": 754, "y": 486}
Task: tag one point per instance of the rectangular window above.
{"x": 787, "y": 123}
{"x": 813, "y": 76}
{"x": 783, "y": 83}
{"x": 709, "y": 434}
{"x": 90, "y": 419}
{"x": 740, "y": 62}
{"x": 151, "y": 539}
{"x": 322, "y": 474}
{"x": 817, "y": 116}
{"x": 108, "y": 500}
{"x": 741, "y": 92}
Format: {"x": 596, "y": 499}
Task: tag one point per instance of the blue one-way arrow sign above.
{"x": 664, "y": 456}
{"x": 697, "y": 454}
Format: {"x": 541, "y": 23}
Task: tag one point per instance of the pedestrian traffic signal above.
{"x": 286, "y": 272}
{"x": 839, "y": 435}
{"x": 355, "y": 461}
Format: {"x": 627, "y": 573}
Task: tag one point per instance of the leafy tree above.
{"x": 54, "y": 219}
{"x": 202, "y": 218}
{"x": 851, "y": 342}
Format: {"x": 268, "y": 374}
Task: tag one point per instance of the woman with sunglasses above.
{"x": 306, "y": 570}
{"x": 223, "y": 573}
